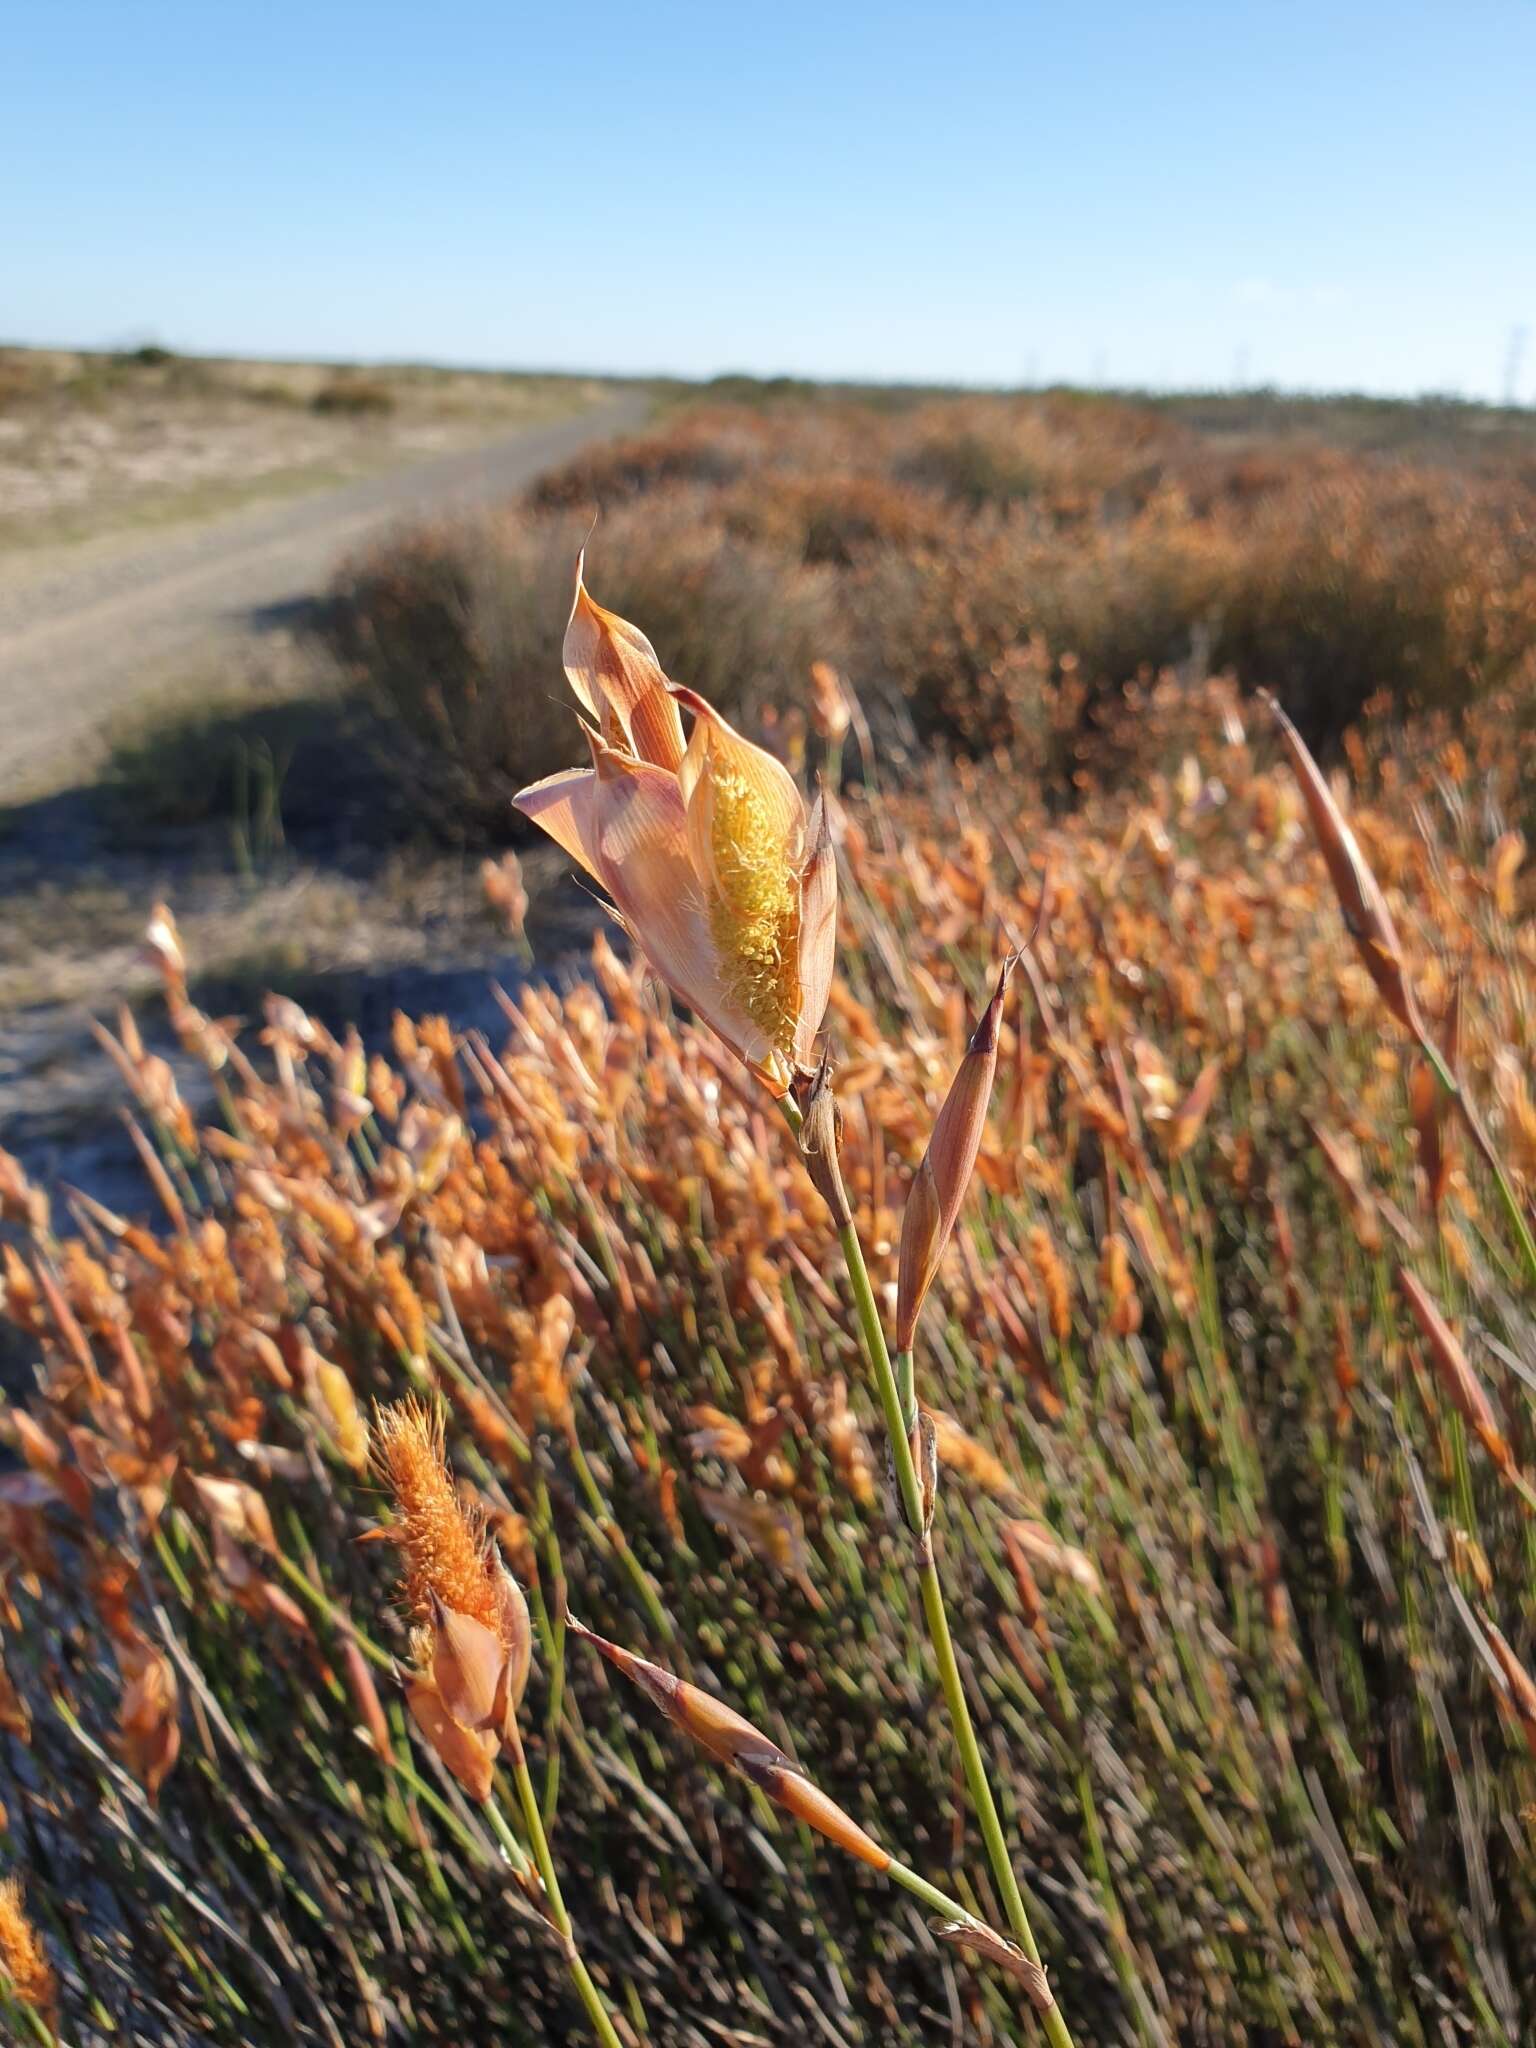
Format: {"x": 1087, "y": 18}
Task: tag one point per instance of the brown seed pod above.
{"x": 1454, "y": 1369}
{"x": 733, "y": 1740}
{"x": 1361, "y": 903}
{"x": 933, "y": 1205}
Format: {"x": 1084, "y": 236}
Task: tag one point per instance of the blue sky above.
{"x": 1317, "y": 196}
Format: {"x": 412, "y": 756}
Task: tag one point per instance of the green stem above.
{"x": 638, "y": 1576}
{"x": 982, "y": 1802}
{"x": 37, "y": 2027}
{"x": 906, "y": 1388}
{"x": 931, "y": 1896}
{"x": 301, "y": 1583}
{"x": 586, "y": 1989}
{"x": 1484, "y": 1144}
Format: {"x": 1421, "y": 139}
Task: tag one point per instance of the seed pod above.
{"x": 469, "y": 1753}
{"x": 1427, "y": 1100}
{"x": 1187, "y": 1120}
{"x": 473, "y": 1671}
{"x": 365, "y": 1697}
{"x": 734, "y": 1741}
{"x": 821, "y": 1137}
{"x": 1341, "y": 1155}
{"x": 933, "y": 1205}
{"x": 1503, "y": 867}
{"x": 1032, "y": 1606}
{"x": 1041, "y": 1545}
{"x": 1454, "y": 1368}
{"x": 150, "y": 1732}
{"x": 978, "y": 1940}
{"x": 1361, "y": 903}
{"x": 818, "y": 928}
{"x": 1521, "y": 1695}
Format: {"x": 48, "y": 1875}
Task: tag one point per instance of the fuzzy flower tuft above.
{"x": 24, "y": 1966}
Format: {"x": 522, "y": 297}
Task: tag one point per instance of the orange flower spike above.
{"x": 25, "y": 1970}
{"x": 933, "y": 1203}
{"x": 445, "y": 1552}
{"x": 476, "y": 1647}
{"x": 1454, "y": 1368}
{"x": 1364, "y": 908}
{"x": 735, "y": 1742}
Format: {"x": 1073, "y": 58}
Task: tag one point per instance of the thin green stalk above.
{"x": 37, "y": 2028}
{"x": 1484, "y": 1144}
{"x": 1098, "y": 1855}
{"x": 302, "y": 1583}
{"x": 906, "y": 1389}
{"x": 931, "y": 1896}
{"x": 636, "y": 1572}
{"x": 982, "y": 1802}
{"x": 586, "y": 1989}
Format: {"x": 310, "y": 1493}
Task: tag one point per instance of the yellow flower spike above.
{"x": 715, "y": 870}
{"x": 746, "y": 838}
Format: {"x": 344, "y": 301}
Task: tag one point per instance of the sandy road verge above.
{"x": 85, "y": 630}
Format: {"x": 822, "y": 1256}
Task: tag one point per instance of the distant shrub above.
{"x": 19, "y": 380}
{"x": 704, "y": 450}
{"x": 1067, "y": 452}
{"x": 1398, "y": 582}
{"x": 972, "y": 468}
{"x": 964, "y": 635}
{"x": 833, "y": 519}
{"x": 455, "y": 632}
{"x": 354, "y": 397}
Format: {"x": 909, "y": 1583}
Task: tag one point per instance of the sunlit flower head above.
{"x": 723, "y": 879}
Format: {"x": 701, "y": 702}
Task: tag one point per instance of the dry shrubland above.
{"x": 1228, "y": 1364}
{"x": 971, "y": 565}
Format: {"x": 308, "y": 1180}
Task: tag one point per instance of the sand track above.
{"x": 86, "y": 629}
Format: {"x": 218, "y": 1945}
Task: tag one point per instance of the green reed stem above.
{"x": 533, "y": 1820}
{"x": 906, "y": 1389}
{"x": 635, "y": 1571}
{"x": 983, "y": 1804}
{"x": 36, "y": 2027}
{"x": 323, "y": 1604}
{"x": 1484, "y": 1144}
{"x": 931, "y": 1896}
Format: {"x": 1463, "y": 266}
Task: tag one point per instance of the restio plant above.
{"x": 1008, "y": 1322}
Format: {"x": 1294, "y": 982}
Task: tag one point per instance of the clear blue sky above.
{"x": 1320, "y": 196}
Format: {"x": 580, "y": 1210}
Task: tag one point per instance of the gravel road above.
{"x": 84, "y": 630}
